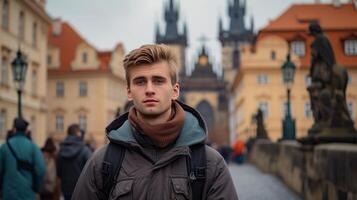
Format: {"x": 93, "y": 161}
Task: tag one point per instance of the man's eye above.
{"x": 158, "y": 81}
{"x": 139, "y": 82}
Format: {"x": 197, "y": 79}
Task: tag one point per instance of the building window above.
{"x": 59, "y": 123}
{"x": 34, "y": 82}
{"x": 3, "y": 123}
{"x": 285, "y": 108}
{"x": 350, "y": 80}
{"x": 49, "y": 59}
{"x": 307, "y": 80}
{"x": 22, "y": 25}
{"x": 264, "y": 108}
{"x": 59, "y": 89}
{"x": 4, "y": 71}
{"x": 83, "y": 122}
{"x": 350, "y": 108}
{"x": 84, "y": 57}
{"x": 273, "y": 55}
{"x": 34, "y": 34}
{"x": 351, "y": 47}
{"x": 307, "y": 110}
{"x": 262, "y": 79}
{"x": 5, "y": 15}
{"x": 82, "y": 89}
{"x": 298, "y": 48}
{"x": 33, "y": 125}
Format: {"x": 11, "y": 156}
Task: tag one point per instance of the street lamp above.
{"x": 19, "y": 68}
{"x": 288, "y": 71}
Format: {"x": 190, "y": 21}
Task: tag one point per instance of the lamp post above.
{"x": 288, "y": 71}
{"x": 19, "y": 68}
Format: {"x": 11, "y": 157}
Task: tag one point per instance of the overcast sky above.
{"x": 105, "y": 23}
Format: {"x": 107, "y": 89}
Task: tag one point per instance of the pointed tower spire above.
{"x": 157, "y": 31}
{"x": 220, "y": 25}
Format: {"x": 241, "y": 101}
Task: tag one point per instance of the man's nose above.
{"x": 149, "y": 88}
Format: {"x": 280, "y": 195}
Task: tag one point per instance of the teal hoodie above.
{"x": 16, "y": 183}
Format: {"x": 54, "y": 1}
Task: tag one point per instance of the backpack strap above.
{"x": 24, "y": 165}
{"x": 196, "y": 166}
{"x": 113, "y": 159}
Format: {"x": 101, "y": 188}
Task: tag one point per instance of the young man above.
{"x": 73, "y": 155}
{"x": 17, "y": 182}
{"x": 157, "y": 135}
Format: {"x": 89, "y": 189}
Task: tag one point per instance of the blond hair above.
{"x": 150, "y": 54}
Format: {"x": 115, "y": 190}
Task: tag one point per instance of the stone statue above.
{"x": 328, "y": 88}
{"x": 261, "y": 132}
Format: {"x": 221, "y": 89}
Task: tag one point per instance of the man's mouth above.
{"x": 150, "y": 101}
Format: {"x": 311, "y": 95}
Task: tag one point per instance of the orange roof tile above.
{"x": 298, "y": 16}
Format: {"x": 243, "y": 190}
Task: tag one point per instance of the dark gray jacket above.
{"x": 73, "y": 155}
{"x": 150, "y": 173}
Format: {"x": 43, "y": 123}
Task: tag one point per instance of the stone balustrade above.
{"x": 320, "y": 172}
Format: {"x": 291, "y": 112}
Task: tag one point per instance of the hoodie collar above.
{"x": 193, "y": 131}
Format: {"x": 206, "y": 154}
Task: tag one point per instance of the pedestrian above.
{"x": 159, "y": 144}
{"x": 21, "y": 165}
{"x": 50, "y": 188}
{"x": 73, "y": 155}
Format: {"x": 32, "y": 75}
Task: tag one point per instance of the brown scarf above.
{"x": 161, "y": 134}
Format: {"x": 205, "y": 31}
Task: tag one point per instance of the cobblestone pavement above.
{"x": 252, "y": 184}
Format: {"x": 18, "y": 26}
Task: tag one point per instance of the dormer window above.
{"x": 350, "y": 47}
{"x": 298, "y": 47}
{"x": 84, "y": 57}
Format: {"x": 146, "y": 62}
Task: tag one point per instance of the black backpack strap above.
{"x": 197, "y": 170}
{"x": 113, "y": 159}
{"x": 24, "y": 165}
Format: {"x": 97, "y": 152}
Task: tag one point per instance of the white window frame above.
{"x": 307, "y": 110}
{"x": 21, "y": 29}
{"x": 262, "y": 79}
{"x": 4, "y": 71}
{"x": 307, "y": 80}
{"x": 82, "y": 122}
{"x": 83, "y": 88}
{"x": 59, "y": 120}
{"x": 60, "y": 89}
{"x": 34, "y": 34}
{"x": 34, "y": 78}
{"x": 298, "y": 47}
{"x": 5, "y": 15}
{"x": 350, "y": 47}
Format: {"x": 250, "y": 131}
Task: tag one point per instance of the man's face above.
{"x": 151, "y": 89}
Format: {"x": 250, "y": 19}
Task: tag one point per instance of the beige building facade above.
{"x": 24, "y": 25}
{"x": 85, "y": 86}
{"x": 259, "y": 84}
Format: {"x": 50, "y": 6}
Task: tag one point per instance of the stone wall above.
{"x": 320, "y": 172}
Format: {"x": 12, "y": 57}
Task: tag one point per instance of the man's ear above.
{"x": 128, "y": 93}
{"x": 176, "y": 90}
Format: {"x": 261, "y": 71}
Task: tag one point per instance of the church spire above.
{"x": 171, "y": 34}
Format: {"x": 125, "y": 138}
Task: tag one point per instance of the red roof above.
{"x": 67, "y": 42}
{"x": 329, "y": 17}
{"x": 338, "y": 23}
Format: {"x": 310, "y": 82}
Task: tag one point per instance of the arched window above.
{"x": 207, "y": 113}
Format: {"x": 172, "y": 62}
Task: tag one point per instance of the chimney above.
{"x": 57, "y": 27}
{"x": 336, "y": 3}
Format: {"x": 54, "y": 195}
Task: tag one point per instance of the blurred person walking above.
{"x": 21, "y": 165}
{"x": 50, "y": 188}
{"x": 73, "y": 155}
